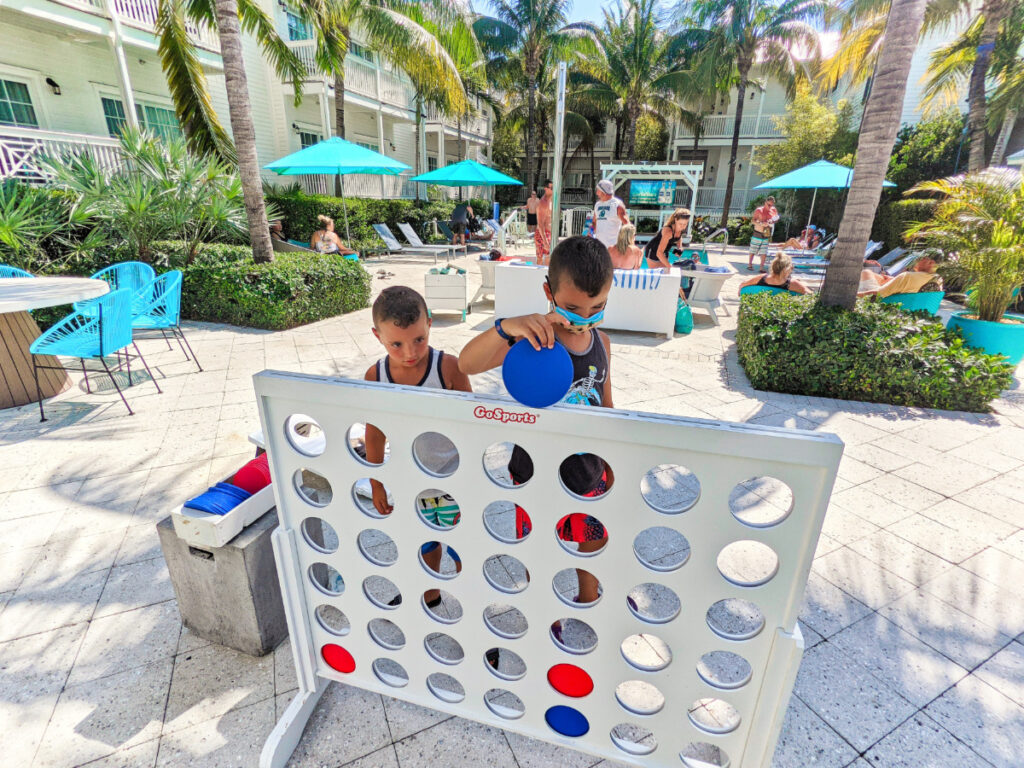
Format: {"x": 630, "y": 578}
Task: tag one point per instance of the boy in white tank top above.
{"x": 401, "y": 325}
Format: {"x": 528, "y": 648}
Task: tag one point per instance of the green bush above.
{"x": 877, "y": 353}
{"x": 224, "y": 285}
{"x": 895, "y": 217}
{"x": 299, "y": 213}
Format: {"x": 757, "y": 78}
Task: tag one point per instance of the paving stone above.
{"x": 920, "y": 742}
{"x": 807, "y": 740}
{"x": 828, "y": 609}
{"x": 905, "y": 492}
{"x": 63, "y": 561}
{"x": 531, "y": 753}
{"x": 365, "y": 727}
{"x": 999, "y": 568}
{"x": 855, "y": 703}
{"x": 955, "y": 634}
{"x": 844, "y": 526}
{"x": 985, "y": 601}
{"x": 456, "y": 743}
{"x": 866, "y": 504}
{"x": 127, "y": 640}
{"x": 285, "y": 676}
{"x": 984, "y": 719}
{"x": 234, "y": 740}
{"x": 37, "y": 501}
{"x": 213, "y": 680}
{"x": 135, "y": 585}
{"x": 382, "y": 758}
{"x": 901, "y": 557}
{"x": 139, "y": 756}
{"x": 1013, "y": 545}
{"x": 14, "y": 564}
{"x": 1005, "y": 672}
{"x": 98, "y": 717}
{"x": 866, "y": 581}
{"x": 406, "y": 718}
{"x": 40, "y": 609}
{"x": 897, "y": 658}
{"x": 937, "y": 538}
{"x": 948, "y": 475}
{"x": 37, "y": 665}
{"x": 970, "y": 522}
{"x": 140, "y": 543}
{"x": 17, "y": 534}
{"x": 28, "y": 719}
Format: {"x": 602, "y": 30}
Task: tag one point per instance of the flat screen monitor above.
{"x": 643, "y": 192}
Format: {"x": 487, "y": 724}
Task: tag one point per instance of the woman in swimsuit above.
{"x": 661, "y": 245}
{"x": 625, "y": 253}
{"x": 326, "y": 240}
{"x": 780, "y": 275}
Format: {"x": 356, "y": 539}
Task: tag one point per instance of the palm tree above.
{"x": 191, "y": 97}
{"x": 862, "y": 24}
{"x": 747, "y": 31}
{"x": 637, "y": 68}
{"x": 522, "y": 36}
{"x": 874, "y": 148}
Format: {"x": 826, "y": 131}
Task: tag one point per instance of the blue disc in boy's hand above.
{"x": 537, "y": 378}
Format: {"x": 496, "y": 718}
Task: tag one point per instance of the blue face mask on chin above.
{"x": 577, "y": 323}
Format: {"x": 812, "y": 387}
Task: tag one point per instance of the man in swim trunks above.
{"x": 531, "y": 206}
{"x": 542, "y": 235}
{"x": 764, "y": 219}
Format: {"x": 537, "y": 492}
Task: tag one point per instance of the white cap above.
{"x": 606, "y": 186}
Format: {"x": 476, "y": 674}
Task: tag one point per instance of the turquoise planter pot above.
{"x": 995, "y": 338}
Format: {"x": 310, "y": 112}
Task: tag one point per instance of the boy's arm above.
{"x": 453, "y": 377}
{"x": 375, "y": 442}
{"x": 606, "y": 393}
{"x": 488, "y": 350}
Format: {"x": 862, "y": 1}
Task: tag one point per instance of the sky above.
{"x": 582, "y": 10}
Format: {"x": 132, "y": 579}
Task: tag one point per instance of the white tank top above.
{"x": 435, "y": 452}
{"x": 606, "y": 221}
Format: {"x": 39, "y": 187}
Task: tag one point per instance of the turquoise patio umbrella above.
{"x": 337, "y": 157}
{"x": 817, "y": 175}
{"x": 468, "y": 173}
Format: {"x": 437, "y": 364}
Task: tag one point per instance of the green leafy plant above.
{"x": 980, "y": 218}
{"x": 876, "y": 353}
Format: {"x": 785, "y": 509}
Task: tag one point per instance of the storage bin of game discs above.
{"x": 445, "y": 288}
{"x": 218, "y": 551}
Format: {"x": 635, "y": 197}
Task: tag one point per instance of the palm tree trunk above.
{"x": 458, "y": 145}
{"x": 339, "y": 116}
{"x": 593, "y": 166}
{"x": 999, "y": 150}
{"x": 741, "y": 93}
{"x": 629, "y": 139}
{"x": 531, "y": 128}
{"x": 874, "y": 148}
{"x": 419, "y": 128}
{"x": 994, "y": 12}
{"x": 618, "y": 139}
{"x": 242, "y": 129}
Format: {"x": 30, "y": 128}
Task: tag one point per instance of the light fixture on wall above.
{"x": 295, "y": 127}
{"x": 54, "y": 86}
{"x": 392, "y": 145}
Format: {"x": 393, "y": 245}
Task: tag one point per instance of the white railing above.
{"x": 142, "y": 14}
{"x": 362, "y": 185}
{"x": 711, "y": 199}
{"x": 475, "y": 124}
{"x": 360, "y": 77}
{"x": 22, "y": 149}
{"x": 721, "y": 127}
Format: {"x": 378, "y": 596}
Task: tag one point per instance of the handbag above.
{"x": 684, "y": 317}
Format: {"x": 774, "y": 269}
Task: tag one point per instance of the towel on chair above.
{"x": 637, "y": 279}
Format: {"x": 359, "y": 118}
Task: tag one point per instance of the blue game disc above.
{"x": 567, "y": 721}
{"x": 537, "y": 378}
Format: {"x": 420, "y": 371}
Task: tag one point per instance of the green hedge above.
{"x": 876, "y": 353}
{"x": 893, "y": 218}
{"x": 299, "y": 213}
{"x": 224, "y": 285}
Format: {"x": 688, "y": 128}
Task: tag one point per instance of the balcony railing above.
{"x": 475, "y": 124}
{"x": 142, "y": 14}
{"x": 22, "y": 149}
{"x": 721, "y": 127}
{"x": 358, "y": 185}
{"x": 360, "y": 77}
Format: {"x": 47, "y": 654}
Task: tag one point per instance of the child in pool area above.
{"x": 579, "y": 281}
{"x": 401, "y": 325}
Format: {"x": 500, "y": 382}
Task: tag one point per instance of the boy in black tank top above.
{"x": 578, "y": 284}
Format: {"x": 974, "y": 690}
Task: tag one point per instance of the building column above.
{"x": 325, "y": 109}
{"x": 117, "y": 44}
{"x": 380, "y": 143}
{"x": 750, "y": 169}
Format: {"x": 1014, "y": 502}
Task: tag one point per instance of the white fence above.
{"x": 142, "y": 14}
{"x": 21, "y": 149}
{"x": 721, "y": 127}
{"x": 688, "y": 647}
{"x": 356, "y": 185}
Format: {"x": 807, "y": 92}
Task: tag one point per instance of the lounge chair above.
{"x": 486, "y": 282}
{"x": 414, "y": 240}
{"x": 392, "y": 246}
{"x": 929, "y": 301}
{"x": 749, "y": 290}
{"x": 290, "y": 246}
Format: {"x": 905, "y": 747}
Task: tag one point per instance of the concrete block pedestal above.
{"x": 231, "y": 594}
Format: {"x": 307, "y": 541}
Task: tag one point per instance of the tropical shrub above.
{"x": 980, "y": 218}
{"x": 876, "y": 353}
{"x": 896, "y": 217}
{"x": 222, "y": 284}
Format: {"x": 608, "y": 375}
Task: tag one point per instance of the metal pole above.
{"x": 556, "y": 200}
{"x": 344, "y": 208}
{"x": 813, "y": 198}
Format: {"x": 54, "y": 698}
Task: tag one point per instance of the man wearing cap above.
{"x": 609, "y": 214}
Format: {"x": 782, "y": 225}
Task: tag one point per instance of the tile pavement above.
{"x": 913, "y": 616}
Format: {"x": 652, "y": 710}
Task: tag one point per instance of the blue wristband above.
{"x": 505, "y": 336}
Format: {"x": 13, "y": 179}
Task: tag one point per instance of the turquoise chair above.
{"x": 752, "y": 289}
{"x": 106, "y": 330}
{"x": 157, "y": 307}
{"x": 128, "y": 276}
{"x": 9, "y": 271}
{"x": 916, "y": 302}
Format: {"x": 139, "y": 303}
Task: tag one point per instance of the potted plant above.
{"x": 980, "y": 217}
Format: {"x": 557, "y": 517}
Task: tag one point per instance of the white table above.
{"x": 705, "y": 287}
{"x": 18, "y": 330}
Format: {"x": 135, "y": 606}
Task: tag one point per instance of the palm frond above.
{"x": 282, "y": 59}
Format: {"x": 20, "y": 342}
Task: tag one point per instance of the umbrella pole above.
{"x": 811, "y": 214}
{"x": 344, "y": 207}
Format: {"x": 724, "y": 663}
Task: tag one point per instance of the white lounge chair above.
{"x": 486, "y": 282}
{"x": 394, "y": 247}
{"x": 414, "y": 240}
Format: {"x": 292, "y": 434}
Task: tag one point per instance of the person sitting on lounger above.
{"x": 809, "y": 240}
{"x": 780, "y": 275}
{"x": 625, "y": 253}
{"x": 326, "y": 240}
{"x": 880, "y": 285}
{"x": 277, "y": 231}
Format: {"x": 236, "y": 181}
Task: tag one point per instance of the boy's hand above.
{"x": 380, "y": 498}
{"x": 537, "y": 329}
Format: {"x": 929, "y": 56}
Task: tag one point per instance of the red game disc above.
{"x": 338, "y": 658}
{"x": 570, "y": 680}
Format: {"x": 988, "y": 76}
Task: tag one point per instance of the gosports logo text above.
{"x": 504, "y": 416}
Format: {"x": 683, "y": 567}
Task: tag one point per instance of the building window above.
{"x": 297, "y": 28}
{"x": 158, "y": 120}
{"x": 360, "y": 51}
{"x": 16, "y": 105}
{"x": 307, "y": 139}
{"x": 431, "y": 163}
{"x": 374, "y": 146}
